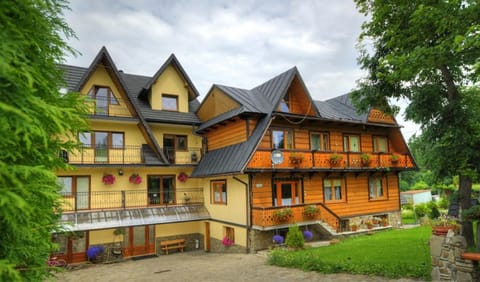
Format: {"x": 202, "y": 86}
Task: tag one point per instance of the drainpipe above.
{"x": 247, "y": 208}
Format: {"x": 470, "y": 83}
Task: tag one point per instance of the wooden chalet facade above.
{"x": 159, "y": 166}
{"x": 294, "y": 154}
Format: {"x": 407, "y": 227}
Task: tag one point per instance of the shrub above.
{"x": 433, "y": 211}
{"x": 421, "y": 210}
{"x": 443, "y": 203}
{"x": 295, "y": 237}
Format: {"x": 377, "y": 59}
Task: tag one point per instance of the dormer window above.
{"x": 170, "y": 102}
{"x": 285, "y": 104}
{"x": 103, "y": 98}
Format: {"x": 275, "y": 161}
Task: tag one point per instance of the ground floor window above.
{"x": 375, "y": 188}
{"x": 228, "y": 236}
{"x": 333, "y": 189}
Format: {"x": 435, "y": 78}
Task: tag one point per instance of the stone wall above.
{"x": 191, "y": 241}
{"x": 447, "y": 264}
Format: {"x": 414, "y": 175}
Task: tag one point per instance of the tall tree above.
{"x": 426, "y": 51}
{"x": 33, "y": 117}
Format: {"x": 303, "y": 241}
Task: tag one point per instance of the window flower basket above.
{"x": 335, "y": 159}
{"x": 227, "y": 242}
{"x": 108, "y": 179}
{"x": 311, "y": 211}
{"x": 394, "y": 159}
{"x": 296, "y": 159}
{"x": 365, "y": 159}
{"x": 182, "y": 177}
{"x": 283, "y": 215}
{"x": 135, "y": 178}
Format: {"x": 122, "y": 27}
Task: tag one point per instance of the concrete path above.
{"x": 201, "y": 266}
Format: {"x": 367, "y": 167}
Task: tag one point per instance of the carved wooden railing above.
{"x": 264, "y": 216}
{"x": 324, "y": 160}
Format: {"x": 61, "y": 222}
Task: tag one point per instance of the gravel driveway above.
{"x": 201, "y": 266}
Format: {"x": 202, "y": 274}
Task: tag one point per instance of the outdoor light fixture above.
{"x": 120, "y": 172}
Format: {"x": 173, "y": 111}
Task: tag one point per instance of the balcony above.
{"x": 263, "y": 217}
{"x": 126, "y": 199}
{"x": 112, "y": 209}
{"x": 128, "y": 154}
{"x": 108, "y": 107}
{"x": 315, "y": 160}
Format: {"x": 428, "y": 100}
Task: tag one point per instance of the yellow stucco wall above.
{"x": 172, "y": 229}
{"x": 103, "y": 237}
{"x": 217, "y": 231}
{"x": 169, "y": 82}
{"x": 235, "y": 210}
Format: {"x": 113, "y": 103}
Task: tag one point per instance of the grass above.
{"x": 393, "y": 254}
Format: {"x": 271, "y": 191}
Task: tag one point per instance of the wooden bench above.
{"x": 178, "y": 244}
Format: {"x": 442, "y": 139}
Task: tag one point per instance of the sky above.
{"x": 234, "y": 43}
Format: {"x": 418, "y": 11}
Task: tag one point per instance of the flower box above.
{"x": 108, "y": 179}
{"x": 135, "y": 179}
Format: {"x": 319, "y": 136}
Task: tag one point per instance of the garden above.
{"x": 400, "y": 253}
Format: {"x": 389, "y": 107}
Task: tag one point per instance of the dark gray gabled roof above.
{"x": 275, "y": 89}
{"x": 340, "y": 108}
{"x": 72, "y": 75}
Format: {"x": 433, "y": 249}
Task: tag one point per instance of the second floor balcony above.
{"x": 298, "y": 159}
{"x": 128, "y": 154}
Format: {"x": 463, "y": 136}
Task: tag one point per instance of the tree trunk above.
{"x": 465, "y": 198}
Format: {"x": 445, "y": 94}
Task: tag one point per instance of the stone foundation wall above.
{"x": 447, "y": 264}
{"x": 216, "y": 246}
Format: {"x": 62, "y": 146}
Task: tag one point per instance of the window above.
{"x": 103, "y": 98}
{"x": 286, "y": 193}
{"x": 285, "y": 104}
{"x": 375, "y": 187}
{"x": 117, "y": 140}
{"x": 333, "y": 189}
{"x": 102, "y": 142}
{"x": 380, "y": 144}
{"x": 85, "y": 138}
{"x": 170, "y": 103}
{"x": 161, "y": 189}
{"x": 319, "y": 141}
{"x": 351, "y": 143}
{"x": 282, "y": 139}
{"x": 219, "y": 192}
{"x": 76, "y": 186}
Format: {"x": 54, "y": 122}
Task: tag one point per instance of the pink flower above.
{"x": 227, "y": 242}
{"x": 135, "y": 179}
{"x": 108, "y": 179}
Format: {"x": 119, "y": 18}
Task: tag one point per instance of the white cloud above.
{"x": 236, "y": 43}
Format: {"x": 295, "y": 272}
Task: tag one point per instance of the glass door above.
{"x": 101, "y": 148}
{"x": 161, "y": 189}
{"x": 286, "y": 194}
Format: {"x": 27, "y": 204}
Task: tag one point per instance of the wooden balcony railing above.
{"x": 104, "y": 200}
{"x": 128, "y": 154}
{"x": 323, "y": 160}
{"x": 264, "y": 217}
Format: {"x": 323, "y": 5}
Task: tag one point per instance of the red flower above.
{"x": 135, "y": 179}
{"x": 182, "y": 177}
{"x": 108, "y": 179}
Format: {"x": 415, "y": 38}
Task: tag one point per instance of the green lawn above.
{"x": 393, "y": 254}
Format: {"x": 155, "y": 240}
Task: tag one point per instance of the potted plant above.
{"x": 227, "y": 242}
{"x": 135, "y": 178}
{"x": 278, "y": 239}
{"x": 369, "y": 224}
{"x": 182, "y": 177}
{"x": 442, "y": 224}
{"x": 335, "y": 159}
{"x": 108, "y": 179}
{"x": 384, "y": 221}
{"x": 296, "y": 158}
{"x": 353, "y": 227}
{"x": 311, "y": 211}
{"x": 365, "y": 159}
{"x": 394, "y": 159}
{"x": 283, "y": 215}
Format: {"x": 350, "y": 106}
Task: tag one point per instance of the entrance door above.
{"x": 161, "y": 189}
{"x": 141, "y": 240}
{"x": 286, "y": 194}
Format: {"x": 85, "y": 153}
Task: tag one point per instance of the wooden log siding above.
{"x": 233, "y": 132}
{"x": 356, "y": 202}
